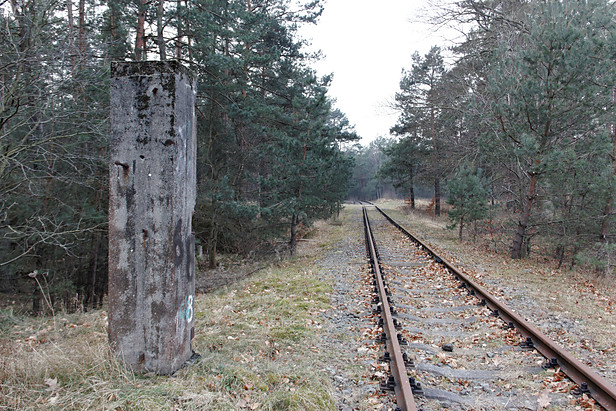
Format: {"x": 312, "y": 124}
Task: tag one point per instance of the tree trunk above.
{"x": 212, "y": 241}
{"x": 211, "y": 254}
{"x": 560, "y": 254}
{"x": 437, "y": 169}
{"x": 461, "y": 226}
{"x": 71, "y": 32}
{"x": 188, "y": 38}
{"x": 605, "y": 224}
{"x": 295, "y": 217}
{"x": 96, "y": 246}
{"x": 412, "y": 189}
{"x": 82, "y": 31}
{"x": 36, "y": 300}
{"x": 178, "y": 41}
{"x": 518, "y": 241}
{"x": 112, "y": 20}
{"x": 437, "y": 196}
{"x": 159, "y": 28}
{"x": 90, "y": 296}
{"x": 293, "y": 239}
{"x": 114, "y": 52}
{"x": 140, "y": 53}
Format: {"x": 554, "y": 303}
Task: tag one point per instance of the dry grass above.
{"x": 258, "y": 339}
{"x": 69, "y": 366}
{"x": 493, "y": 245}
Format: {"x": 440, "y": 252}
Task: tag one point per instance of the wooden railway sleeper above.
{"x": 588, "y": 381}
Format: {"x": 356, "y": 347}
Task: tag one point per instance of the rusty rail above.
{"x": 588, "y": 380}
{"x": 402, "y": 388}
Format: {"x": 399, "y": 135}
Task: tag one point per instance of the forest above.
{"x": 270, "y": 156}
{"x": 512, "y": 125}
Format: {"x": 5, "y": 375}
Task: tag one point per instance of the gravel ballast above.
{"x": 544, "y": 299}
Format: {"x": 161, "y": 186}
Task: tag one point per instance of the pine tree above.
{"x": 549, "y": 86}
{"x": 468, "y": 196}
{"x": 405, "y": 160}
{"x": 420, "y": 107}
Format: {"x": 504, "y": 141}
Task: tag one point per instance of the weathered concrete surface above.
{"x": 151, "y": 202}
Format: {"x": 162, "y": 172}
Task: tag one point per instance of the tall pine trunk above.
{"x": 412, "y": 189}
{"x": 211, "y": 253}
{"x": 295, "y": 216}
{"x": 180, "y": 34}
{"x": 162, "y": 50}
{"x": 437, "y": 196}
{"x": 516, "y": 247}
{"x": 82, "y": 31}
{"x": 437, "y": 168}
{"x": 71, "y": 33}
{"x": 140, "y": 53}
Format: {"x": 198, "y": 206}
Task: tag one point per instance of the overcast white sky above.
{"x": 366, "y": 44}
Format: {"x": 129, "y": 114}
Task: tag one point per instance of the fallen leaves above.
{"x": 244, "y": 403}
{"x": 544, "y": 399}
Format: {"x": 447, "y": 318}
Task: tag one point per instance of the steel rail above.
{"x": 402, "y": 389}
{"x": 588, "y": 380}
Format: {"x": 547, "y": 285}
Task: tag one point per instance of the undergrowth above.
{"x": 257, "y": 339}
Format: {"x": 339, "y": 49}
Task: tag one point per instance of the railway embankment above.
{"x": 298, "y": 333}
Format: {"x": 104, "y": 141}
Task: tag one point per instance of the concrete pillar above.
{"x": 152, "y": 190}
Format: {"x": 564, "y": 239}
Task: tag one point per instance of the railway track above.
{"x": 450, "y": 344}
{"x": 399, "y": 381}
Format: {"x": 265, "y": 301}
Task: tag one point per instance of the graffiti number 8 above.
{"x": 189, "y": 309}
